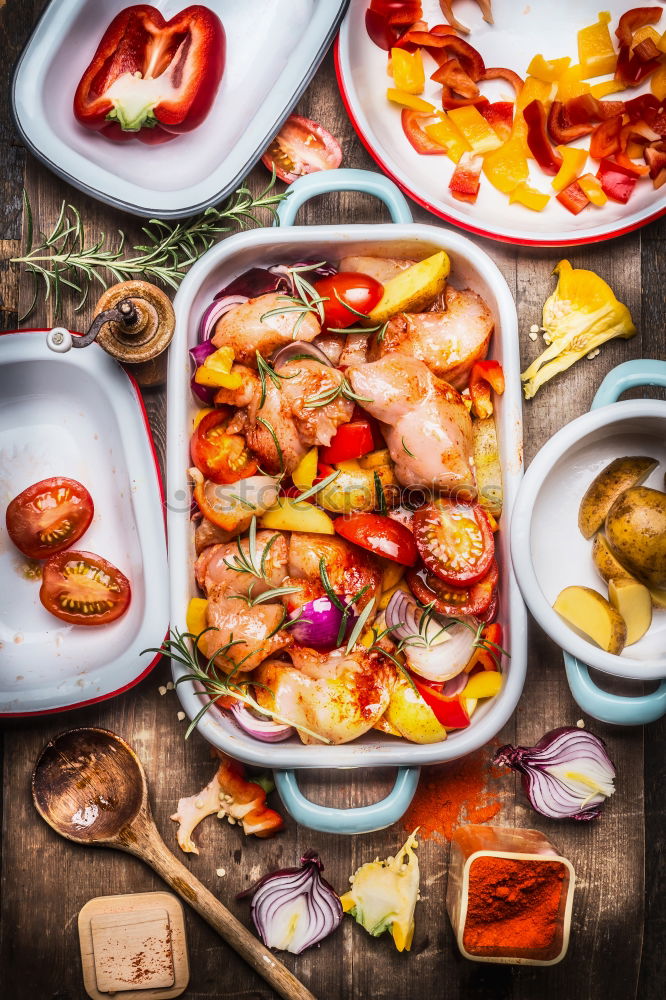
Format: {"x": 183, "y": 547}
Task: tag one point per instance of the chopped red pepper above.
{"x": 606, "y": 138}
{"x": 486, "y": 375}
{"x": 489, "y": 656}
{"x": 632, "y": 20}
{"x": 420, "y": 140}
{"x": 450, "y": 712}
{"x": 465, "y": 182}
{"x": 537, "y": 138}
{"x": 560, "y": 126}
{"x": 573, "y": 198}
{"x": 643, "y": 108}
{"x": 500, "y": 117}
{"x": 451, "y": 74}
{"x": 152, "y": 79}
{"x": 655, "y": 157}
{"x": 617, "y": 181}
{"x": 352, "y": 440}
{"x": 449, "y": 102}
{"x": 500, "y": 73}
{"x": 385, "y": 20}
{"x": 442, "y": 43}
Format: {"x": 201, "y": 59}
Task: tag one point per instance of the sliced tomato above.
{"x": 346, "y": 295}
{"x": 301, "y": 147}
{"x": 379, "y": 534}
{"x": 450, "y": 712}
{"x": 455, "y": 540}
{"x": 412, "y": 122}
{"x": 84, "y": 589}
{"x": 49, "y": 516}
{"x": 455, "y": 602}
{"x": 220, "y": 457}
{"x": 351, "y": 440}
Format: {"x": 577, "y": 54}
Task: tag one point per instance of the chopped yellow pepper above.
{"x": 485, "y": 684}
{"x": 658, "y": 82}
{"x": 296, "y": 515}
{"x": 661, "y": 44}
{"x": 571, "y": 84}
{"x": 596, "y": 52}
{"x": 479, "y": 135}
{"x": 647, "y": 31}
{"x": 374, "y": 459}
{"x": 216, "y": 371}
{"x": 406, "y": 100}
{"x": 548, "y": 70}
{"x": 407, "y": 70}
{"x": 392, "y": 573}
{"x": 446, "y": 135}
{"x": 506, "y": 167}
{"x": 593, "y": 189}
{"x": 529, "y": 197}
{"x": 581, "y": 314}
{"x": 573, "y": 161}
{"x": 386, "y": 595}
{"x": 200, "y": 414}
{"x": 304, "y": 474}
{"x": 195, "y": 617}
{"x": 606, "y": 87}
{"x": 534, "y": 89}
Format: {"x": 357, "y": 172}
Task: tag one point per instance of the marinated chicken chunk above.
{"x": 348, "y": 567}
{"x": 221, "y": 565}
{"x": 248, "y": 328}
{"x": 244, "y": 636}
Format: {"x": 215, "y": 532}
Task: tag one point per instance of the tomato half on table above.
{"x": 301, "y": 147}
{"x": 49, "y": 516}
{"x": 455, "y": 541}
{"x": 379, "y": 534}
{"x": 84, "y": 589}
{"x": 347, "y": 294}
{"x": 455, "y": 602}
{"x": 219, "y": 456}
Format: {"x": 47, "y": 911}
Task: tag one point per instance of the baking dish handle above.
{"x": 621, "y": 710}
{"x": 361, "y": 819}
{"x": 325, "y": 181}
{"x": 642, "y": 371}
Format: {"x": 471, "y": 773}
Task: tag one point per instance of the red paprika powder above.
{"x": 513, "y": 905}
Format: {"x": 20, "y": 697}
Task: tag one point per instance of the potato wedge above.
{"x": 414, "y": 289}
{"x": 620, "y": 475}
{"x": 593, "y": 617}
{"x": 608, "y": 566}
{"x": 634, "y": 603}
{"x": 636, "y": 533}
{"x": 488, "y": 466}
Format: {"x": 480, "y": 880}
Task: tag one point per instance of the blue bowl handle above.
{"x": 619, "y": 709}
{"x": 325, "y": 181}
{"x": 362, "y": 819}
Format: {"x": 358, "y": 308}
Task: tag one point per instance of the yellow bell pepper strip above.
{"x": 486, "y": 375}
{"x": 200, "y": 414}
{"x": 216, "y": 371}
{"x": 596, "y": 53}
{"x": 530, "y": 197}
{"x": 386, "y": 595}
{"x": 605, "y": 88}
{"x": 506, "y": 167}
{"x": 195, "y": 617}
{"x": 573, "y": 161}
{"x": 406, "y": 100}
{"x": 305, "y": 472}
{"x": 593, "y": 189}
{"x": 464, "y": 184}
{"x": 661, "y": 44}
{"x": 407, "y": 70}
{"x": 485, "y": 684}
{"x": 478, "y": 134}
{"x": 548, "y": 70}
{"x": 580, "y": 315}
{"x": 658, "y": 82}
{"x": 288, "y": 514}
{"x": 446, "y": 135}
{"x": 571, "y": 84}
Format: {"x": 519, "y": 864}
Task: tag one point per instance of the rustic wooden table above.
{"x": 619, "y": 917}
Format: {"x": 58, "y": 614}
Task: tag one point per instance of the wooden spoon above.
{"x": 89, "y": 785}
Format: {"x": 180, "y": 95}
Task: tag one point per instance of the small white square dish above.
{"x": 273, "y": 49}
{"x": 78, "y": 415}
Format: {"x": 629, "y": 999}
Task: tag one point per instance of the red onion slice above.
{"x": 296, "y": 350}
{"x": 218, "y": 308}
{"x": 258, "y": 726}
{"x": 199, "y": 354}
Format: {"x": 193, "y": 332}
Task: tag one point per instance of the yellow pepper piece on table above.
{"x": 407, "y": 70}
{"x": 548, "y": 70}
{"x": 304, "y": 474}
{"x": 478, "y": 134}
{"x": 406, "y": 100}
{"x": 581, "y": 314}
{"x": 596, "y": 52}
{"x": 573, "y": 161}
{"x": 445, "y": 134}
{"x": 606, "y": 87}
{"x": 506, "y": 167}
{"x": 485, "y": 684}
{"x": 593, "y": 189}
{"x": 529, "y": 197}
{"x": 571, "y": 84}
{"x": 216, "y": 371}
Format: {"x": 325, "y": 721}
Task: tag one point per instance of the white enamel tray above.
{"x": 521, "y": 30}
{"x": 78, "y": 415}
{"x": 273, "y": 49}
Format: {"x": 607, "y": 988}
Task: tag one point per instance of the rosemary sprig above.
{"x": 318, "y": 486}
{"x": 360, "y": 624}
{"x": 268, "y": 595}
{"x": 326, "y": 584}
{"x": 271, "y": 430}
{"x": 379, "y": 493}
{"x": 406, "y": 449}
{"x": 347, "y": 608}
{"x": 249, "y": 562}
{"x": 267, "y": 371}
{"x": 304, "y": 299}
{"x": 326, "y": 396}
{"x": 63, "y": 259}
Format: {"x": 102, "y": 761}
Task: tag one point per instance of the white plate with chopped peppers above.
{"x": 536, "y": 129}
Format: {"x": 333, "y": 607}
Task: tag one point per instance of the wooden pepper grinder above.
{"x": 134, "y": 322}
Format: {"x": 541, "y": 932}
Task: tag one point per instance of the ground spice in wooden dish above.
{"x": 513, "y": 906}
{"x": 450, "y": 795}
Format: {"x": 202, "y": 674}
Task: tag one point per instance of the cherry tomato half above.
{"x": 84, "y": 589}
{"x": 347, "y": 294}
{"x": 220, "y": 457}
{"x": 455, "y": 540}
{"x": 301, "y": 147}
{"x": 379, "y": 534}
{"x": 454, "y": 602}
{"x": 49, "y": 516}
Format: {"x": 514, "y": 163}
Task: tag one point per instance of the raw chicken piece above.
{"x": 355, "y": 351}
{"x": 250, "y": 629}
{"x": 349, "y": 569}
{"x": 379, "y": 268}
{"x": 332, "y": 345}
{"x": 301, "y": 382}
{"x": 449, "y": 342}
{"x": 213, "y": 567}
{"x": 423, "y": 415}
{"x": 243, "y": 330}
{"x": 336, "y": 695}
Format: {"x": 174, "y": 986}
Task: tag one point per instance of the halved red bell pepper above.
{"x": 352, "y": 440}
{"x": 420, "y": 140}
{"x": 606, "y": 138}
{"x": 486, "y": 375}
{"x": 465, "y": 182}
{"x": 617, "y": 181}
{"x": 450, "y": 712}
{"x": 152, "y": 79}
{"x": 537, "y": 138}
{"x": 500, "y": 117}
{"x": 573, "y": 198}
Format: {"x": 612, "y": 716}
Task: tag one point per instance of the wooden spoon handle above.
{"x": 154, "y": 852}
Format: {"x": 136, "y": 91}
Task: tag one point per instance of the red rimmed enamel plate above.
{"x": 521, "y": 30}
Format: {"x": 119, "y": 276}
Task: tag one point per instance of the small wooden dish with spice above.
{"x": 509, "y": 896}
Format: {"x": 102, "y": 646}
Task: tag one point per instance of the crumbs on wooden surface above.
{"x": 180, "y": 716}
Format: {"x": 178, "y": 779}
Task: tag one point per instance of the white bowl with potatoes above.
{"x": 588, "y": 543}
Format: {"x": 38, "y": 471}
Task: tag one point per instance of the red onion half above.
{"x": 567, "y": 775}
{"x": 258, "y": 726}
{"x": 318, "y": 624}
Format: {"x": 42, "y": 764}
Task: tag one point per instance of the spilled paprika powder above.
{"x": 513, "y": 906}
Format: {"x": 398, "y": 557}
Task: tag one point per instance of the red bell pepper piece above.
{"x": 561, "y": 128}
{"x": 352, "y": 440}
{"x": 385, "y": 20}
{"x": 617, "y": 181}
{"x": 489, "y": 655}
{"x": 420, "y": 140}
{"x": 573, "y": 119}
{"x": 537, "y": 138}
{"x": 152, "y": 79}
{"x": 500, "y": 117}
{"x": 450, "y": 712}
{"x": 644, "y": 108}
{"x": 465, "y": 182}
{"x": 632, "y": 20}
{"x": 486, "y": 375}
{"x": 655, "y": 157}
{"x": 500, "y": 73}
{"x": 449, "y": 101}
{"x": 442, "y": 43}
{"x": 452, "y": 75}
{"x": 606, "y": 138}
{"x": 573, "y": 198}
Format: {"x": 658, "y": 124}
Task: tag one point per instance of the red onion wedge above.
{"x": 299, "y": 349}
{"x": 258, "y": 726}
{"x": 318, "y": 624}
{"x": 438, "y": 649}
{"x": 567, "y": 775}
{"x": 295, "y": 908}
{"x": 199, "y": 354}
{"x": 215, "y": 310}
{"x": 257, "y": 281}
